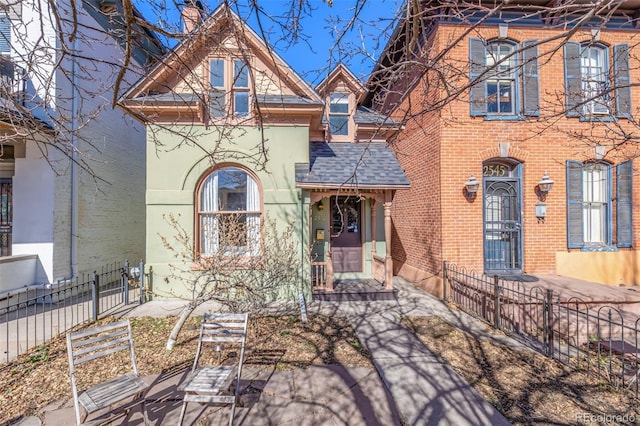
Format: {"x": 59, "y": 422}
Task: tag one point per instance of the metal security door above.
{"x": 502, "y": 223}
{"x": 5, "y": 217}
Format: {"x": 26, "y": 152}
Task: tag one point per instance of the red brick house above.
{"x": 507, "y": 101}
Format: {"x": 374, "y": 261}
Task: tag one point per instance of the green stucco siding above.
{"x": 176, "y": 163}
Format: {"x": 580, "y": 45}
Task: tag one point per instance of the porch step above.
{"x": 354, "y": 295}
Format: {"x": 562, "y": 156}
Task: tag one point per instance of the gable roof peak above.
{"x": 222, "y": 17}
{"x": 341, "y": 73}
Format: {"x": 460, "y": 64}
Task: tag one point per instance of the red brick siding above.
{"x": 434, "y": 221}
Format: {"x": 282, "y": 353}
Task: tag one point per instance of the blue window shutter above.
{"x": 621, "y": 80}
{"x": 575, "y": 227}
{"x": 624, "y": 205}
{"x": 5, "y": 35}
{"x": 572, "y": 77}
{"x": 530, "y": 86}
{"x": 477, "y": 65}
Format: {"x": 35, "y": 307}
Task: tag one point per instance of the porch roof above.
{"x": 365, "y": 165}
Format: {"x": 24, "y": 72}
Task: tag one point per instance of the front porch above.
{"x": 354, "y": 290}
{"x": 350, "y": 189}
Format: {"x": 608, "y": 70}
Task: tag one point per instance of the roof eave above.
{"x": 310, "y": 185}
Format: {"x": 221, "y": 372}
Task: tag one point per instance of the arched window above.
{"x": 590, "y": 204}
{"x": 228, "y": 213}
{"x": 501, "y": 81}
{"x": 504, "y": 78}
{"x": 596, "y": 195}
{"x": 594, "y": 72}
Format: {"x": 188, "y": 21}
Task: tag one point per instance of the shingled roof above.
{"x": 287, "y": 100}
{"x": 168, "y": 98}
{"x": 365, "y": 165}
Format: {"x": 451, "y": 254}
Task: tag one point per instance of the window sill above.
{"x": 234, "y": 262}
{"x": 598, "y": 118}
{"x": 599, "y": 248}
{"x": 503, "y": 117}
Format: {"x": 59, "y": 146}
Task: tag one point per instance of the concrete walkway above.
{"x": 425, "y": 390}
{"x": 411, "y": 385}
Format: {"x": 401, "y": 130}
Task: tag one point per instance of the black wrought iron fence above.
{"x": 32, "y": 316}
{"x": 600, "y": 339}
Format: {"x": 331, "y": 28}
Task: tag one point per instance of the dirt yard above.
{"x": 42, "y": 376}
{"x": 527, "y": 387}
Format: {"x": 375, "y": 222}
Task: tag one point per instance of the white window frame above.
{"x": 594, "y": 76}
{"x": 596, "y": 204}
{"x": 502, "y": 65}
{"x": 213, "y": 208}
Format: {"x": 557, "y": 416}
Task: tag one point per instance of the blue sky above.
{"x": 315, "y": 51}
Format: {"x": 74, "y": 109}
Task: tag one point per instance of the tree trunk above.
{"x": 186, "y": 312}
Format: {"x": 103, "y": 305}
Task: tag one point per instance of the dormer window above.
{"x": 339, "y": 114}
{"x": 229, "y": 88}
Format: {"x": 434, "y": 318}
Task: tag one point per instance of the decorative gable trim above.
{"x": 222, "y": 16}
{"x": 342, "y": 73}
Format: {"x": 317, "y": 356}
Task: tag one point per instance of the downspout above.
{"x": 73, "y": 247}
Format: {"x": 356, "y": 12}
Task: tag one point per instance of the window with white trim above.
{"x": 590, "y": 201}
{"x": 229, "y": 213}
{"x": 504, "y": 78}
{"x": 596, "y": 203}
{"x": 591, "y": 90}
{"x": 594, "y": 73}
{"x": 501, "y": 81}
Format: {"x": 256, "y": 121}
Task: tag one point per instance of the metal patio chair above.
{"x": 94, "y": 344}
{"x": 214, "y": 384}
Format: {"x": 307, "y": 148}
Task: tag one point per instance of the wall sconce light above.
{"x": 545, "y": 184}
{"x": 320, "y": 206}
{"x": 472, "y": 184}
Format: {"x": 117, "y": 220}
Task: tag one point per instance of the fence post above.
{"x": 141, "y": 300}
{"x": 549, "y": 322}
{"x": 496, "y": 304}
{"x": 95, "y": 295}
{"x": 125, "y": 282}
{"x": 445, "y": 281}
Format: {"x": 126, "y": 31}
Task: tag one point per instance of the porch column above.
{"x": 374, "y": 228}
{"x": 329, "y": 262}
{"x": 388, "y": 262}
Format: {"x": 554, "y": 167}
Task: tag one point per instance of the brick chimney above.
{"x": 192, "y": 11}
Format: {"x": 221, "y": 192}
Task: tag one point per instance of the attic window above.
{"x": 339, "y": 114}
{"x": 229, "y": 87}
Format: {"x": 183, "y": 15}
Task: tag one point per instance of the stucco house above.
{"x": 523, "y": 168}
{"x": 232, "y": 130}
{"x": 72, "y": 168}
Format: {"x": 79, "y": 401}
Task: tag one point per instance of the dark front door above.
{"x": 5, "y": 217}
{"x": 502, "y": 219}
{"x": 346, "y": 243}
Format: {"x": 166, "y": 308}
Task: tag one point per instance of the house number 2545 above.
{"x": 494, "y": 170}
